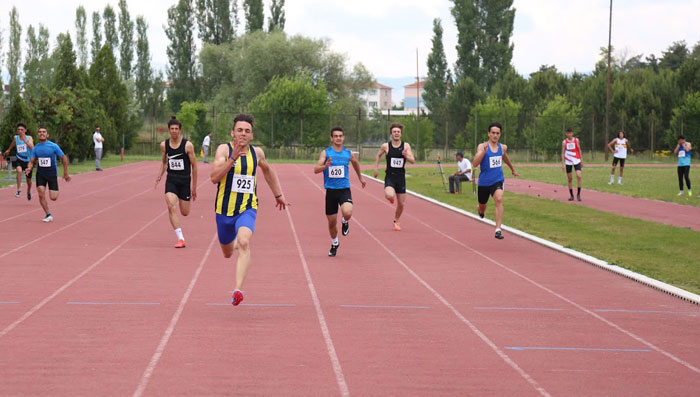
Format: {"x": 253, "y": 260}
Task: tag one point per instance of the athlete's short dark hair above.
{"x": 41, "y": 127}
{"x": 624, "y": 134}
{"x": 396, "y": 125}
{"x": 248, "y": 118}
{"x": 569, "y": 129}
{"x": 337, "y": 128}
{"x": 680, "y": 137}
{"x": 174, "y": 121}
{"x": 495, "y": 124}
{"x": 21, "y": 125}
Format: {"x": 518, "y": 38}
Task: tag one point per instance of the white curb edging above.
{"x": 640, "y": 278}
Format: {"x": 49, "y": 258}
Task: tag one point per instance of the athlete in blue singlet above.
{"x": 490, "y": 157}
{"x": 333, "y": 162}
{"x": 684, "y": 152}
{"x": 23, "y": 144}
{"x": 44, "y": 157}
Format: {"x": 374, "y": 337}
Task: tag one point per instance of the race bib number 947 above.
{"x": 681, "y": 153}
{"x": 396, "y": 162}
{"x": 44, "y": 161}
{"x": 243, "y": 184}
{"x": 336, "y": 171}
{"x": 176, "y": 164}
{"x": 495, "y": 162}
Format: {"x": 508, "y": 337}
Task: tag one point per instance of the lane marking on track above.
{"x": 645, "y": 311}
{"x": 546, "y": 309}
{"x": 72, "y": 281}
{"x": 255, "y": 304}
{"x": 561, "y": 297}
{"x": 9, "y": 303}
{"x": 173, "y": 322}
{"x": 385, "y": 307}
{"x": 115, "y": 303}
{"x": 447, "y": 304}
{"x": 337, "y": 369}
{"x": 579, "y": 349}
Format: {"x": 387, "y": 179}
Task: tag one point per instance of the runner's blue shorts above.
{"x": 227, "y": 226}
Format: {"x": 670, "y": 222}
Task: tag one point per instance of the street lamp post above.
{"x": 607, "y": 87}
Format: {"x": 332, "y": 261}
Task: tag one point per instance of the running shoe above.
{"x": 180, "y": 244}
{"x": 619, "y": 182}
{"x": 48, "y": 218}
{"x": 680, "y": 193}
{"x": 18, "y": 194}
{"x": 499, "y": 235}
{"x": 481, "y": 215}
{"x": 391, "y": 200}
{"x": 237, "y": 297}
{"x": 578, "y": 197}
{"x": 396, "y": 226}
{"x": 334, "y": 250}
{"x": 571, "y": 198}
{"x": 29, "y": 196}
{"x": 690, "y": 193}
{"x": 345, "y": 228}
{"x": 610, "y": 183}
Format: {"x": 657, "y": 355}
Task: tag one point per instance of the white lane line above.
{"x": 115, "y": 303}
{"x": 72, "y": 281}
{"x": 255, "y": 304}
{"x": 384, "y": 307}
{"x": 456, "y": 312}
{"x": 171, "y": 327}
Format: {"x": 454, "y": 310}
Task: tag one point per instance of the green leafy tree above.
{"x": 144, "y": 73}
{"x": 14, "y": 53}
{"x": 504, "y": 111}
{"x": 460, "y": 105}
{"x": 18, "y": 112}
{"x": 686, "y": 118}
{"x": 493, "y": 43}
{"x": 277, "y": 17}
{"x": 80, "y": 35}
{"x": 37, "y": 68}
{"x": 674, "y": 56}
{"x": 254, "y": 16}
{"x": 65, "y": 74}
{"x": 181, "y": 54}
{"x": 126, "y": 35}
{"x": 466, "y": 15}
{"x": 215, "y": 23}
{"x": 110, "y": 26}
{"x": 96, "y": 43}
{"x": 546, "y": 135}
{"x": 193, "y": 116}
{"x": 420, "y": 133}
{"x": 435, "y": 87}
{"x": 292, "y": 110}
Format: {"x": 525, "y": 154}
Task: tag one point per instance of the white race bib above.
{"x": 570, "y": 146}
{"x": 396, "y": 162}
{"x": 176, "y": 164}
{"x": 681, "y": 153}
{"x": 22, "y": 148}
{"x": 336, "y": 171}
{"x": 243, "y": 184}
{"x": 495, "y": 162}
{"x": 44, "y": 161}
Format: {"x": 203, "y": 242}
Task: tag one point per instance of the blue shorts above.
{"x": 227, "y": 226}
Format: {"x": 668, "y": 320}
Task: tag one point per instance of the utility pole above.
{"x": 607, "y": 87}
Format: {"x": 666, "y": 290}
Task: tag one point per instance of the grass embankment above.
{"x": 663, "y": 252}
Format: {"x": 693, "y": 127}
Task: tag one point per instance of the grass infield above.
{"x": 663, "y": 252}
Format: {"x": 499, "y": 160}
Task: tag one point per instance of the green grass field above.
{"x": 663, "y": 252}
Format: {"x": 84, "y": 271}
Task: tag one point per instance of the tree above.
{"x": 110, "y": 22}
{"x": 460, "y": 104}
{"x": 214, "y": 21}
{"x": 37, "y": 68}
{"x": 65, "y": 74}
{"x": 126, "y": 34}
{"x": 558, "y": 114}
{"x": 80, "y": 35}
{"x": 277, "y": 18}
{"x": 18, "y": 112}
{"x": 493, "y": 43}
{"x": 181, "y": 54}
{"x": 193, "y": 116}
{"x": 466, "y": 15}
{"x": 144, "y": 73}
{"x": 96, "y": 35}
{"x": 254, "y": 17}
{"x": 685, "y": 119}
{"x": 435, "y": 87}
{"x": 674, "y": 56}
{"x": 14, "y": 53}
{"x": 505, "y": 111}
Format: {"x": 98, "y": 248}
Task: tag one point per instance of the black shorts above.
{"x": 51, "y": 180}
{"x": 486, "y": 191}
{"x": 23, "y": 164}
{"x": 616, "y": 159}
{"x": 398, "y": 182}
{"x": 576, "y": 167}
{"x": 336, "y": 198}
{"x": 178, "y": 185}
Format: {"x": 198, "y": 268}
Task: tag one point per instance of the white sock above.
{"x": 498, "y": 229}
{"x": 335, "y": 241}
{"x": 178, "y": 232}
{"x": 612, "y": 178}
{"x": 342, "y": 219}
{"x": 619, "y": 179}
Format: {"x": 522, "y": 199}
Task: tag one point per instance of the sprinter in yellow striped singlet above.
{"x": 236, "y": 202}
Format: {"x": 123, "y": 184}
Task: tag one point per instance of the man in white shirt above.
{"x": 464, "y": 173}
{"x": 205, "y": 147}
{"x": 98, "y": 139}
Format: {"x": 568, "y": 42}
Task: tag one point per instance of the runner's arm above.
{"x": 222, "y": 164}
{"x": 479, "y": 155}
{"x": 323, "y": 163}
{"x": 189, "y": 149}
{"x": 162, "y": 164}
{"x": 409, "y": 153}
{"x": 610, "y": 145}
{"x": 563, "y": 150}
{"x": 379, "y": 157}
{"x": 12, "y": 144}
{"x": 271, "y": 179}
{"x": 64, "y": 159}
{"x": 356, "y": 166}
{"x": 506, "y": 160}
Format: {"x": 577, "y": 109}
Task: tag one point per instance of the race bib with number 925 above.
{"x": 243, "y": 184}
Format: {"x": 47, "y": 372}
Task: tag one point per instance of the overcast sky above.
{"x": 384, "y": 35}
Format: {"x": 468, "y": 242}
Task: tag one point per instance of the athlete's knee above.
{"x": 243, "y": 244}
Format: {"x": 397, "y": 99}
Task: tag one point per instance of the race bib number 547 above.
{"x": 495, "y": 162}
{"x": 44, "y": 161}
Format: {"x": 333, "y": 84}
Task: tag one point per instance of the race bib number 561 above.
{"x": 495, "y": 162}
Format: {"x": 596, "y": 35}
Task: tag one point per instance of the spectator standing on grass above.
{"x": 683, "y": 151}
{"x": 205, "y": 147}
{"x": 571, "y": 159}
{"x": 619, "y": 146}
{"x": 23, "y": 145}
{"x": 98, "y": 139}
{"x": 464, "y": 173}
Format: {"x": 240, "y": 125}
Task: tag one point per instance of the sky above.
{"x": 387, "y": 36}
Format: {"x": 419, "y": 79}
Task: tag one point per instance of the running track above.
{"x": 99, "y": 303}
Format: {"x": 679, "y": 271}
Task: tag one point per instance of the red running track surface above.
{"x": 99, "y": 303}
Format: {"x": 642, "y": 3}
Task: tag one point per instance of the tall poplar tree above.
{"x": 126, "y": 34}
{"x": 214, "y": 21}
{"x": 181, "y": 54}
{"x": 110, "y": 26}
{"x": 254, "y": 16}
{"x": 96, "y": 44}
{"x": 466, "y": 15}
{"x": 143, "y": 72}
{"x": 277, "y": 17}
{"x": 80, "y": 35}
{"x": 436, "y": 85}
{"x": 495, "y": 48}
{"x": 65, "y": 74}
{"x": 14, "y": 53}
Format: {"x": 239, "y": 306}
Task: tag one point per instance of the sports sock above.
{"x": 342, "y": 219}
{"x": 619, "y": 179}
{"x": 612, "y": 178}
{"x": 578, "y": 191}
{"x": 335, "y": 241}
{"x": 498, "y": 229}
{"x": 178, "y": 232}
{"x": 571, "y": 192}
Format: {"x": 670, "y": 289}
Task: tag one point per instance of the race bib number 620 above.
{"x": 336, "y": 171}
{"x": 495, "y": 162}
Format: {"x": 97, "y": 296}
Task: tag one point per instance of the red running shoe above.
{"x": 237, "y": 297}
{"x": 180, "y": 244}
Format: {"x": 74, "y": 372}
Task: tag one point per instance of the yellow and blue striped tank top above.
{"x": 236, "y": 192}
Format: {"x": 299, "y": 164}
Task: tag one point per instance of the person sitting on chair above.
{"x": 464, "y": 173}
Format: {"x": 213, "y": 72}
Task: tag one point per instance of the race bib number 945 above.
{"x": 570, "y": 146}
{"x": 176, "y": 164}
{"x": 44, "y": 161}
{"x": 396, "y": 162}
{"x": 243, "y": 184}
{"x": 495, "y": 162}
{"x": 336, "y": 171}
